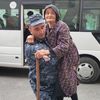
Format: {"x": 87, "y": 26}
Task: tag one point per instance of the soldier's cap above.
{"x": 36, "y": 19}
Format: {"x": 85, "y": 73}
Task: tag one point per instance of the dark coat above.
{"x": 61, "y": 42}
{"x": 26, "y": 33}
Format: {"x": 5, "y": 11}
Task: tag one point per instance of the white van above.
{"x": 82, "y": 17}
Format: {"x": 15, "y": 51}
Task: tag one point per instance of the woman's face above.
{"x": 50, "y": 16}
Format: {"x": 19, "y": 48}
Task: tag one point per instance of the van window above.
{"x": 9, "y": 15}
{"x": 69, "y": 10}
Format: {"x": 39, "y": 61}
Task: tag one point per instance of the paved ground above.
{"x": 14, "y": 85}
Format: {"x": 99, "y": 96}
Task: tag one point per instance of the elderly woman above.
{"x": 59, "y": 38}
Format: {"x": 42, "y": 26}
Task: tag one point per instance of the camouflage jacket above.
{"x": 48, "y": 71}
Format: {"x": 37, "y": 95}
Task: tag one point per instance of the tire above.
{"x": 88, "y": 70}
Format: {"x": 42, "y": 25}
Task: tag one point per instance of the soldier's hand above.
{"x": 40, "y": 53}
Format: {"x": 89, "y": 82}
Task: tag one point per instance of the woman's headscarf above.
{"x": 55, "y": 9}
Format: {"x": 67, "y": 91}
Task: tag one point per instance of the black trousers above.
{"x": 60, "y": 94}
{"x": 73, "y": 97}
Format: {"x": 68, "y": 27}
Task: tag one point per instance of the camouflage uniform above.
{"x": 48, "y": 71}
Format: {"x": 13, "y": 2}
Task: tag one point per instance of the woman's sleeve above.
{"x": 63, "y": 41}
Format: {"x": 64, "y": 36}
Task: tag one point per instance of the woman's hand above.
{"x": 41, "y": 53}
{"x": 30, "y": 39}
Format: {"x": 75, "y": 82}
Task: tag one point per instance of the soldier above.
{"x": 48, "y": 70}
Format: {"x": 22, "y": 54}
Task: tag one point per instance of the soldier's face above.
{"x": 38, "y": 31}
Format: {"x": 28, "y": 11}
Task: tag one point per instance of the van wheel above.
{"x": 88, "y": 70}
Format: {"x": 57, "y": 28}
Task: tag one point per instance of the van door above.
{"x": 11, "y": 42}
